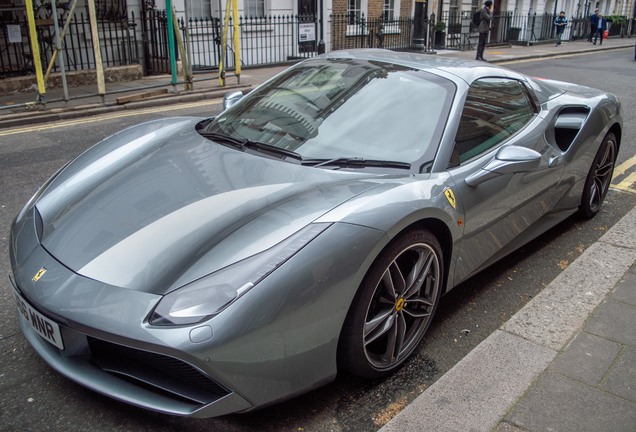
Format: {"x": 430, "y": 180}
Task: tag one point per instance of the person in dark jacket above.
{"x": 560, "y": 22}
{"x": 593, "y": 24}
{"x": 484, "y": 29}
{"x": 601, "y": 26}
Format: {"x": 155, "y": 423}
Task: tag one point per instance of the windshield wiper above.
{"x": 243, "y": 143}
{"x": 269, "y": 148}
{"x": 356, "y": 162}
{"x": 223, "y": 138}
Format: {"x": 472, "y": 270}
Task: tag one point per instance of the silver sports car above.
{"x": 201, "y": 267}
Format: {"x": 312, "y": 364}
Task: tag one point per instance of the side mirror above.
{"x": 509, "y": 159}
{"x": 231, "y": 98}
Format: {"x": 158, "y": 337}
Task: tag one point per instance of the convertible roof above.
{"x": 466, "y": 70}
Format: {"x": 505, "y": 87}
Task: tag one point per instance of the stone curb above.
{"x": 559, "y": 54}
{"x": 79, "y": 111}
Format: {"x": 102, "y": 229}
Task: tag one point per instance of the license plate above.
{"x": 43, "y": 326}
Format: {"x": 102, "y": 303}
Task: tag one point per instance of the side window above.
{"x": 495, "y": 109}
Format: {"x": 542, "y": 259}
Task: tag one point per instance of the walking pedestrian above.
{"x": 601, "y": 26}
{"x": 560, "y": 22}
{"x": 593, "y": 24}
{"x": 484, "y": 28}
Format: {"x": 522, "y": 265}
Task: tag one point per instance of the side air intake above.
{"x": 567, "y": 125}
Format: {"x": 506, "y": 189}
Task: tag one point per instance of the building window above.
{"x": 255, "y": 8}
{"x": 388, "y": 10}
{"x": 112, "y": 10}
{"x": 200, "y": 9}
{"x": 354, "y": 10}
{"x": 356, "y": 17}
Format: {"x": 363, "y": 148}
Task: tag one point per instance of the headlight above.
{"x": 211, "y": 294}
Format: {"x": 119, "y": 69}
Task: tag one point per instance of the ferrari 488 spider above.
{"x": 201, "y": 267}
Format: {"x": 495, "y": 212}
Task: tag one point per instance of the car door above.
{"x": 506, "y": 175}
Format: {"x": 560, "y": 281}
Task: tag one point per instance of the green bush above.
{"x": 440, "y": 26}
{"x": 616, "y": 19}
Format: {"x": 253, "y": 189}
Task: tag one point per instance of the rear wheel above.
{"x": 599, "y": 178}
{"x": 393, "y": 307}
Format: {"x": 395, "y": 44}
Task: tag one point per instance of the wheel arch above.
{"x": 440, "y": 230}
{"x": 598, "y": 180}
{"x": 438, "y": 227}
{"x": 618, "y": 133}
{"x": 442, "y": 233}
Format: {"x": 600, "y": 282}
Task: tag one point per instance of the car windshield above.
{"x": 339, "y": 110}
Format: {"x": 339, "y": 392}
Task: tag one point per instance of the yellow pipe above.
{"x": 237, "y": 42}
{"x": 226, "y": 25}
{"x": 35, "y": 48}
{"x": 101, "y": 86}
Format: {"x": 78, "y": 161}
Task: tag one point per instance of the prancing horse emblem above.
{"x": 39, "y": 274}
{"x": 450, "y": 196}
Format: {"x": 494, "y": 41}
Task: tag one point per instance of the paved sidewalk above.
{"x": 591, "y": 385}
{"x": 565, "y": 362}
{"x": 545, "y": 50}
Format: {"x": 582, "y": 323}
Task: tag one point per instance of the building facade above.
{"x": 275, "y": 31}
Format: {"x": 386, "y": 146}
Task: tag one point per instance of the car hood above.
{"x": 158, "y": 206}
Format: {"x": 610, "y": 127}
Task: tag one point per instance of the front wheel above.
{"x": 598, "y": 179}
{"x": 393, "y": 307}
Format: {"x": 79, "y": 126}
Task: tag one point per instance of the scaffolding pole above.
{"x": 58, "y": 48}
{"x": 35, "y": 51}
{"x": 184, "y": 58}
{"x": 171, "y": 50}
{"x": 60, "y": 37}
{"x": 233, "y": 5}
{"x": 101, "y": 87}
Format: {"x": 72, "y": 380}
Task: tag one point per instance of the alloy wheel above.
{"x": 401, "y": 306}
{"x": 602, "y": 175}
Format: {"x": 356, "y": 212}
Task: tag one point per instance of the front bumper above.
{"x": 148, "y": 380}
{"x": 277, "y": 341}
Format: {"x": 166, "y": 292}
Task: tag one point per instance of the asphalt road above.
{"x": 33, "y": 397}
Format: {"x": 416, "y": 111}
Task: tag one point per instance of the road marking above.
{"x": 626, "y": 184}
{"x": 622, "y": 168}
{"x": 98, "y": 118}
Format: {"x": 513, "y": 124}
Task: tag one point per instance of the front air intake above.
{"x": 162, "y": 374}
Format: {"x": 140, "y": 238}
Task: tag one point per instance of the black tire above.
{"x": 393, "y": 307}
{"x": 598, "y": 179}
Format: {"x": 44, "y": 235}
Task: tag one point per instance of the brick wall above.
{"x": 374, "y": 8}
{"x": 339, "y": 7}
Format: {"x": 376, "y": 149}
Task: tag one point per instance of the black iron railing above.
{"x": 154, "y": 28}
{"x": 263, "y": 40}
{"x": 118, "y": 43}
{"x": 277, "y": 39}
{"x": 358, "y": 31}
{"x": 508, "y": 28}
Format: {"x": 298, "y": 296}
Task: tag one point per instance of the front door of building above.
{"x": 307, "y": 26}
{"x": 307, "y": 7}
